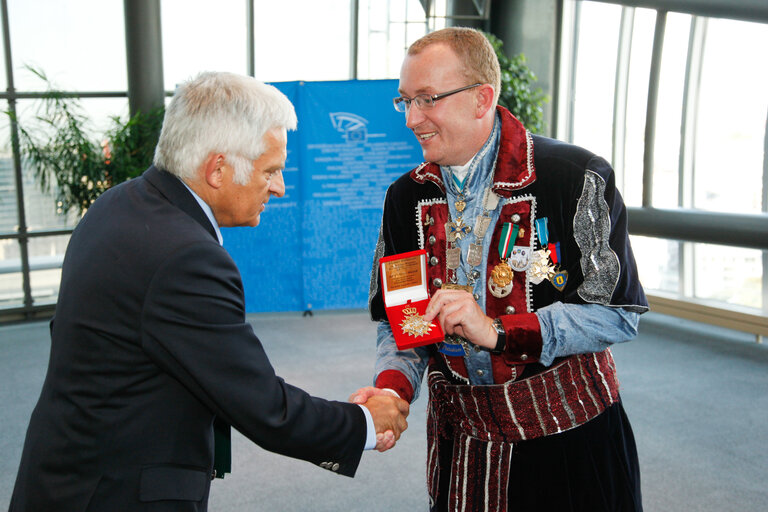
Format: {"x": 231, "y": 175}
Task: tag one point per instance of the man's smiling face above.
{"x": 444, "y": 129}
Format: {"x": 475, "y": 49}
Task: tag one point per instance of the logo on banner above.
{"x": 351, "y": 126}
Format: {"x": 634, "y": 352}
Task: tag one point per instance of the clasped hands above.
{"x": 388, "y": 413}
{"x": 458, "y": 313}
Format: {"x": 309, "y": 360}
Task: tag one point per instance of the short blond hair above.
{"x": 473, "y": 49}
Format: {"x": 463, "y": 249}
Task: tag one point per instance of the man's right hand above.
{"x": 388, "y": 413}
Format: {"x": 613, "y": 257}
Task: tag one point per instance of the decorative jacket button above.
{"x": 432, "y": 239}
{"x": 515, "y": 218}
{"x": 523, "y": 357}
{"x": 335, "y": 467}
{"x": 480, "y": 373}
{"x": 510, "y": 310}
{"x": 437, "y": 282}
{"x": 476, "y": 296}
{"x": 434, "y": 261}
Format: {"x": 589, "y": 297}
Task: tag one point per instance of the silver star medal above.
{"x": 540, "y": 268}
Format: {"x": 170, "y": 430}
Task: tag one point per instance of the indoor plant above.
{"x": 77, "y": 167}
{"x": 518, "y": 93}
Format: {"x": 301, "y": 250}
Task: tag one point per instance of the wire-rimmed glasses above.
{"x": 424, "y": 101}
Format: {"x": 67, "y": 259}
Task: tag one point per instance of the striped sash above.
{"x": 480, "y": 424}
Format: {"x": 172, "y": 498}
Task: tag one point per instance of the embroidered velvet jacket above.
{"x": 535, "y": 177}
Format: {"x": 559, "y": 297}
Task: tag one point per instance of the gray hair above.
{"x": 220, "y": 113}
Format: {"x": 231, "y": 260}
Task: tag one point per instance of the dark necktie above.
{"x": 222, "y": 445}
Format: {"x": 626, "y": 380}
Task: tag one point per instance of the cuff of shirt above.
{"x": 370, "y": 436}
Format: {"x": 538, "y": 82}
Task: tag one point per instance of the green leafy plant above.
{"x": 78, "y": 168}
{"x": 518, "y": 91}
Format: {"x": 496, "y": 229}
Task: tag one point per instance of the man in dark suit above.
{"x": 150, "y": 343}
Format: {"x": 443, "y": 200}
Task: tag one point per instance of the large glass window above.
{"x": 45, "y": 257}
{"x": 728, "y": 274}
{"x": 8, "y": 204}
{"x": 312, "y": 37}
{"x": 293, "y": 39}
{"x": 637, "y": 98}
{"x": 595, "y": 77}
{"x": 200, "y": 37}
{"x": 80, "y": 45}
{"x": 386, "y": 30}
{"x": 11, "y": 291}
{"x": 666, "y": 154}
{"x": 41, "y": 209}
{"x": 730, "y": 130}
{"x": 709, "y": 134}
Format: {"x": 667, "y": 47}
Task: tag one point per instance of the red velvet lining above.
{"x": 396, "y": 381}
{"x": 404, "y": 341}
{"x": 523, "y": 338}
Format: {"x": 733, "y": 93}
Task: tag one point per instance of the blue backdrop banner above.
{"x": 314, "y": 247}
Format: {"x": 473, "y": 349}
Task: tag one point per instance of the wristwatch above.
{"x": 501, "y": 340}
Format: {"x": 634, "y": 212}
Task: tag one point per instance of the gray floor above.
{"x": 697, "y": 397}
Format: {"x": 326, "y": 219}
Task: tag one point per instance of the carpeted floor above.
{"x": 697, "y": 398}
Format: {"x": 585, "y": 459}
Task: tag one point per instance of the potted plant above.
{"x": 73, "y": 164}
{"x": 518, "y": 91}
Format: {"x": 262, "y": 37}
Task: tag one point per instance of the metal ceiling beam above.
{"x": 745, "y": 10}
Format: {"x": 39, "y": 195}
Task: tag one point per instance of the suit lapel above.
{"x": 175, "y": 191}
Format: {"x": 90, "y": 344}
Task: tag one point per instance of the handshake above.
{"x": 388, "y": 413}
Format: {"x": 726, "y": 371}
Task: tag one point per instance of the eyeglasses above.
{"x": 423, "y": 101}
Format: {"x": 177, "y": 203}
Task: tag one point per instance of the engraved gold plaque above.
{"x": 403, "y": 273}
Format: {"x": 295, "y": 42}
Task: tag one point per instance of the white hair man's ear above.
{"x": 213, "y": 170}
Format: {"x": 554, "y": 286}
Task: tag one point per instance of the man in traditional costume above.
{"x": 532, "y": 278}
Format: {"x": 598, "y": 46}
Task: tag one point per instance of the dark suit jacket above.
{"x": 149, "y": 345}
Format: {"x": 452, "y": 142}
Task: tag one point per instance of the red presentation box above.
{"x": 404, "y": 288}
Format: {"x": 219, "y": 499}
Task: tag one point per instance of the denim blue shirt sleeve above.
{"x": 411, "y": 362}
{"x": 581, "y": 328}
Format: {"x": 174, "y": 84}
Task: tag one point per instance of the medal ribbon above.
{"x": 554, "y": 252}
{"x": 458, "y": 181}
{"x": 508, "y": 235}
{"x": 542, "y": 231}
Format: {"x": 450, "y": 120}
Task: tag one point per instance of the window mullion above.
{"x": 620, "y": 93}
{"x": 687, "y": 162}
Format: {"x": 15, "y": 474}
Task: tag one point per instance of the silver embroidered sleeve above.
{"x": 592, "y": 230}
{"x": 377, "y": 255}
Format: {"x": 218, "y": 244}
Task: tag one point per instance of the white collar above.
{"x": 460, "y": 171}
{"x": 208, "y": 212}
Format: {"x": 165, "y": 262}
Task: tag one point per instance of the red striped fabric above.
{"x": 484, "y": 422}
